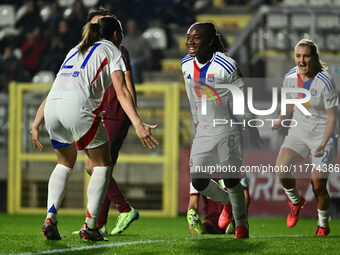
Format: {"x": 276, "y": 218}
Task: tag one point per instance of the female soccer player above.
{"x": 72, "y": 114}
{"x": 315, "y": 134}
{"x": 117, "y": 125}
{"x": 203, "y": 69}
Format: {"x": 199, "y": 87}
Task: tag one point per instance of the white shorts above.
{"x": 67, "y": 122}
{"x": 305, "y": 143}
{"x": 217, "y": 153}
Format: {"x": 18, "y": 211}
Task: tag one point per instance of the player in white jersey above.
{"x": 314, "y": 134}
{"x": 206, "y": 66}
{"x": 72, "y": 116}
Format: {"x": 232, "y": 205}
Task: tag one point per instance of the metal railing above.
{"x": 280, "y": 28}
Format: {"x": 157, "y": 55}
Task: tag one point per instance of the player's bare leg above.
{"x": 96, "y": 191}
{"x": 286, "y": 158}
{"x": 319, "y": 184}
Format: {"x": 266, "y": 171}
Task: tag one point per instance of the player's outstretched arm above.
{"x": 143, "y": 130}
{"x": 39, "y": 117}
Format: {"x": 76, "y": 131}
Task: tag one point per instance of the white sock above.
{"x": 293, "y": 195}
{"x": 237, "y": 199}
{"x": 215, "y": 193}
{"x": 56, "y": 190}
{"x": 323, "y": 218}
{"x": 96, "y": 192}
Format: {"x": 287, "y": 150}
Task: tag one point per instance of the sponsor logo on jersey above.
{"x": 75, "y": 73}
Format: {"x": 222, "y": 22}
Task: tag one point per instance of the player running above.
{"x": 206, "y": 66}
{"x": 72, "y": 114}
{"x": 315, "y": 134}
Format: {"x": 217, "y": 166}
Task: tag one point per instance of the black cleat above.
{"x": 91, "y": 234}
{"x": 50, "y": 230}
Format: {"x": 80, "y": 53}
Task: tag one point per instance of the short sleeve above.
{"x": 116, "y": 61}
{"x": 330, "y": 98}
{"x": 126, "y": 57}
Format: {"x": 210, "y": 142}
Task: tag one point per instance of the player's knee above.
{"x": 200, "y": 184}
{"x": 319, "y": 188}
{"x": 232, "y": 182}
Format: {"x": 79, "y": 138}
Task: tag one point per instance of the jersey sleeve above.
{"x": 330, "y": 95}
{"x": 126, "y": 58}
{"x": 189, "y": 89}
{"x": 116, "y": 61}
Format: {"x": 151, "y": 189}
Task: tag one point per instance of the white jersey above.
{"x": 323, "y": 96}
{"x": 86, "y": 77}
{"x": 221, "y": 69}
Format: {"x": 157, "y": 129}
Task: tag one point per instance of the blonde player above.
{"x": 315, "y": 134}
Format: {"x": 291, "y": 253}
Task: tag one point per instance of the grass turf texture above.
{"x": 22, "y": 234}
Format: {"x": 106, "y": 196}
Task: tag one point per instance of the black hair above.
{"x": 101, "y": 11}
{"x": 210, "y": 32}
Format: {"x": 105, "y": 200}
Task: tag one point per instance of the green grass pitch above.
{"x": 21, "y": 234}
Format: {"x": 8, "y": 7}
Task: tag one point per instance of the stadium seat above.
{"x": 43, "y": 77}
{"x": 294, "y": 2}
{"x": 320, "y": 2}
{"x": 8, "y": 31}
{"x": 90, "y": 3}
{"x": 45, "y": 12}
{"x": 21, "y": 11}
{"x": 67, "y": 12}
{"x": 156, "y": 38}
{"x": 66, "y": 3}
{"x": 7, "y": 15}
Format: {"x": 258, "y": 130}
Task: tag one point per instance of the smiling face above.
{"x": 198, "y": 44}
{"x": 304, "y": 61}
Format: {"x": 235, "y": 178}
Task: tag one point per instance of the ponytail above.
{"x": 218, "y": 44}
{"x": 103, "y": 29}
{"x": 91, "y": 34}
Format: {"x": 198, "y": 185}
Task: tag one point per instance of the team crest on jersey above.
{"x": 189, "y": 77}
{"x": 313, "y": 92}
{"x": 211, "y": 78}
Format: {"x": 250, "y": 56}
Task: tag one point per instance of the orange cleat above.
{"x": 241, "y": 232}
{"x": 320, "y": 231}
{"x": 50, "y": 230}
{"x": 225, "y": 217}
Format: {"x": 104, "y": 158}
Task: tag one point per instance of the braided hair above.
{"x": 210, "y": 31}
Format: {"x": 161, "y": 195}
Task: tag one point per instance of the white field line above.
{"x": 99, "y": 246}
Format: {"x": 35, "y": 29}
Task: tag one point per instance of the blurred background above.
{"x": 260, "y": 35}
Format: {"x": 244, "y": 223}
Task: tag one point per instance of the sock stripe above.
{"x": 88, "y": 215}
{"x": 52, "y": 209}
